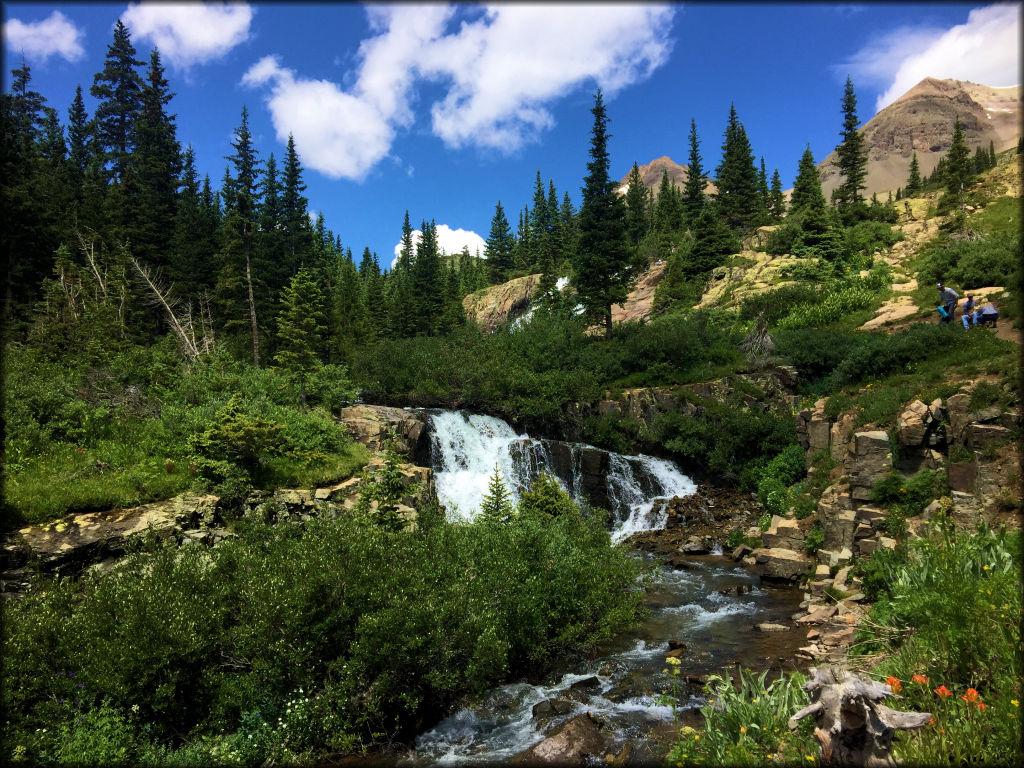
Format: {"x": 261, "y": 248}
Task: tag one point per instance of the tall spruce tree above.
{"x": 238, "y": 279}
{"x": 192, "y": 247}
{"x": 776, "y": 199}
{"x": 736, "y": 177}
{"x": 602, "y": 265}
{"x": 696, "y": 179}
{"x": 119, "y": 90}
{"x": 427, "y": 282}
{"x": 300, "y": 328}
{"x": 807, "y": 194}
{"x": 637, "y": 206}
{"x": 851, "y": 160}
{"x": 958, "y": 163}
{"x": 913, "y": 186}
{"x": 499, "y": 247}
{"x": 668, "y": 207}
{"x": 294, "y": 208}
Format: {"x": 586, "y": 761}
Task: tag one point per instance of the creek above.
{"x": 712, "y": 606}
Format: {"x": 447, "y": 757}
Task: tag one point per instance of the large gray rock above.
{"x": 783, "y": 533}
{"x": 818, "y": 429}
{"x": 839, "y": 528}
{"x": 959, "y": 416}
{"x": 780, "y": 564}
{"x": 370, "y": 424}
{"x": 581, "y": 740}
{"x": 980, "y": 436}
{"x": 868, "y": 461}
{"x": 912, "y": 425}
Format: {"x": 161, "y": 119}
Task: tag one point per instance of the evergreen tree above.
{"x": 602, "y": 265}
{"x": 427, "y": 282}
{"x": 776, "y": 200}
{"x": 294, "y": 208}
{"x": 992, "y": 162}
{"x": 156, "y": 163}
{"x": 762, "y": 188}
{"x": 192, "y": 246}
{"x": 737, "y": 195}
{"x": 236, "y": 284}
{"x": 807, "y": 194}
{"x": 496, "y": 506}
{"x": 851, "y": 159}
{"x": 913, "y": 177}
{"x": 80, "y": 150}
{"x": 403, "y": 313}
{"x": 541, "y": 226}
{"x": 349, "y": 318}
{"x": 668, "y": 207}
{"x": 300, "y": 328}
{"x": 568, "y": 227}
{"x": 558, "y": 255}
{"x": 499, "y": 247}
{"x": 25, "y": 108}
{"x": 957, "y": 172}
{"x": 374, "y": 299}
{"x": 119, "y": 89}
{"x": 637, "y": 206}
{"x": 696, "y": 180}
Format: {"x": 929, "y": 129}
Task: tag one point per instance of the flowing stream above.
{"x": 712, "y": 606}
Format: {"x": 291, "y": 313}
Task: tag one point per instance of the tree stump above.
{"x": 852, "y": 726}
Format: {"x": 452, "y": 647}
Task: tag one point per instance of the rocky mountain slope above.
{"x": 921, "y": 120}
{"x": 651, "y": 175}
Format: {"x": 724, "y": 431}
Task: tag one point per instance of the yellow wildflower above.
{"x": 673, "y": 661}
{"x": 1015, "y": 702}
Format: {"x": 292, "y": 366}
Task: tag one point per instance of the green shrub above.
{"x": 814, "y": 538}
{"x": 745, "y": 723}
{"x": 909, "y": 496}
{"x": 833, "y": 306}
{"x": 777, "y": 303}
{"x": 993, "y": 260}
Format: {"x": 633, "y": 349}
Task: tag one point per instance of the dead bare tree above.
{"x": 758, "y": 344}
{"x": 163, "y": 297}
{"x": 851, "y": 725}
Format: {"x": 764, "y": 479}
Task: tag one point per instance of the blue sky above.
{"x": 443, "y": 110}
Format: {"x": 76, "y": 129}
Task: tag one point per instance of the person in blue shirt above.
{"x": 948, "y": 299}
{"x": 968, "y": 311}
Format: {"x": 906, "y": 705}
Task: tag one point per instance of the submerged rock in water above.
{"x": 582, "y": 739}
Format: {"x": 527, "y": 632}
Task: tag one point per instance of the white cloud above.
{"x": 448, "y": 240}
{"x": 983, "y": 50}
{"x": 39, "y": 40}
{"x": 190, "y": 33}
{"x": 500, "y": 71}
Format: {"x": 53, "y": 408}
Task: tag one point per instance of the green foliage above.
{"x": 948, "y": 617}
{"x": 832, "y": 306}
{"x": 238, "y": 438}
{"x": 728, "y": 437}
{"x": 814, "y": 538}
{"x": 984, "y": 394}
{"x": 345, "y": 631}
{"x": 546, "y": 499}
{"x": 777, "y": 303}
{"x": 745, "y": 723}
{"x": 908, "y": 496}
{"x": 496, "y": 506}
{"x": 976, "y": 263}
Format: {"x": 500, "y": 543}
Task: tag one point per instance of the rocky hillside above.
{"x": 921, "y": 121}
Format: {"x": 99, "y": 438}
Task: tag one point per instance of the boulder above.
{"x": 959, "y": 415}
{"x": 838, "y": 528}
{"x": 818, "y": 429}
{"x": 839, "y": 436}
{"x": 780, "y": 564}
{"x": 551, "y": 708}
{"x": 370, "y": 424}
{"x": 911, "y": 424}
{"x": 980, "y": 436}
{"x": 768, "y": 627}
{"x": 501, "y": 303}
{"x": 868, "y": 461}
{"x": 573, "y": 743}
{"x": 783, "y": 533}
{"x": 962, "y": 475}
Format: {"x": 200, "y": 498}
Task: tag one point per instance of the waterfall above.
{"x": 466, "y": 447}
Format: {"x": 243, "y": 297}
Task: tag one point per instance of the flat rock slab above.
{"x": 891, "y": 312}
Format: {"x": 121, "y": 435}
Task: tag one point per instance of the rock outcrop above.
{"x": 370, "y": 425}
{"x": 638, "y": 303}
{"x": 582, "y": 739}
{"x": 501, "y": 303}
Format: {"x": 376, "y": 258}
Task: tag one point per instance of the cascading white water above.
{"x": 467, "y": 447}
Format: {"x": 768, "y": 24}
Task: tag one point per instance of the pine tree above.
{"x": 569, "y": 227}
{"x": 427, "y": 282}
{"x": 403, "y": 313}
{"x": 696, "y": 180}
{"x": 776, "y": 200}
{"x": 80, "y": 133}
{"x": 851, "y": 160}
{"x": 294, "y": 208}
{"x": 156, "y": 165}
{"x": 349, "y": 319}
{"x": 499, "y": 246}
{"x": 602, "y": 265}
{"x": 737, "y": 195}
{"x": 541, "y": 226}
{"x": 237, "y": 279}
{"x": 192, "y": 247}
{"x": 668, "y": 207}
{"x": 119, "y": 89}
{"x": 637, "y": 206}
{"x": 807, "y": 194}
{"x": 992, "y": 162}
{"x": 496, "y": 506}
{"x": 25, "y": 108}
{"x": 913, "y": 177}
{"x": 957, "y": 173}
{"x": 300, "y": 328}
{"x": 762, "y": 188}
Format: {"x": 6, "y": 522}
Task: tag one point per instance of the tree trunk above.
{"x": 252, "y": 310}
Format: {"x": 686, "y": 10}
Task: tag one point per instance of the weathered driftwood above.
{"x": 852, "y": 727}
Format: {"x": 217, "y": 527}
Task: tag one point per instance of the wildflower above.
{"x": 920, "y": 679}
{"x": 673, "y": 661}
{"x": 931, "y": 720}
{"x": 943, "y": 692}
{"x": 811, "y": 758}
{"x": 743, "y": 729}
{"x": 894, "y": 684}
{"x": 971, "y": 696}
{"x": 755, "y": 701}
{"x": 981, "y": 705}
{"x": 985, "y": 568}
{"x": 1015, "y": 702}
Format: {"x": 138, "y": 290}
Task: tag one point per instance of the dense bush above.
{"x": 777, "y": 303}
{"x": 967, "y": 264}
{"x": 833, "y": 305}
{"x": 306, "y": 638}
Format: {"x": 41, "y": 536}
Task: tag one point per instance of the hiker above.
{"x": 968, "y": 311}
{"x": 948, "y": 299}
{"x": 986, "y": 315}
